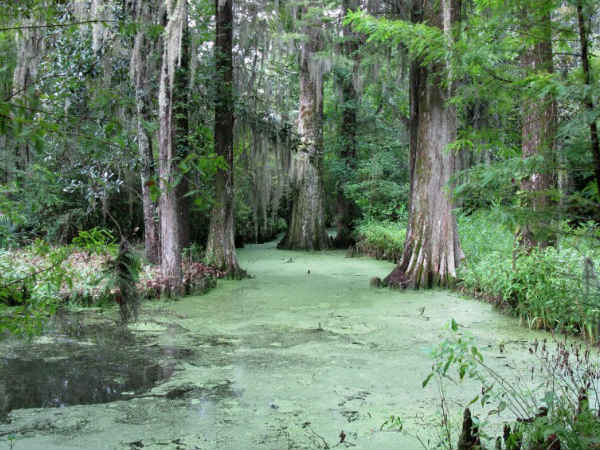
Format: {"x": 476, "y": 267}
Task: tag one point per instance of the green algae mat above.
{"x": 299, "y": 355}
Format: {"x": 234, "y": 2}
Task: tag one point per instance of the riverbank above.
{"x": 287, "y": 359}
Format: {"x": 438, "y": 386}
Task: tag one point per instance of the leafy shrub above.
{"x": 381, "y": 240}
{"x": 30, "y": 284}
{"x": 96, "y": 240}
{"x": 484, "y": 233}
{"x": 554, "y": 288}
{"x": 6, "y": 231}
{"x": 380, "y": 188}
{"x": 90, "y": 284}
{"x": 36, "y": 279}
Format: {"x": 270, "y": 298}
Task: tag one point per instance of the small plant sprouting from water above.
{"x": 394, "y": 423}
{"x": 442, "y": 423}
{"x": 556, "y": 413}
{"x": 125, "y": 268}
{"x": 11, "y": 441}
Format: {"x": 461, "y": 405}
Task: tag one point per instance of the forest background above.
{"x": 194, "y": 126}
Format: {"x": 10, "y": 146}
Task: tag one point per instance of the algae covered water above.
{"x": 291, "y": 358}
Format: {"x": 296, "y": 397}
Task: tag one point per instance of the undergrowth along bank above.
{"x": 38, "y": 279}
{"x": 379, "y": 240}
{"x": 556, "y": 288}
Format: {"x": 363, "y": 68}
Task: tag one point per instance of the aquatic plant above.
{"x": 554, "y": 413}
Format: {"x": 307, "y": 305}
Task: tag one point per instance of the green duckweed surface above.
{"x": 287, "y": 359}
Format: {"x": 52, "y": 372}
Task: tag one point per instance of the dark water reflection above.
{"x": 98, "y": 366}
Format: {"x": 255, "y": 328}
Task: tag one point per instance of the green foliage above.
{"x": 556, "y": 406}
{"x": 379, "y": 188}
{"x": 193, "y": 253}
{"x": 244, "y": 218}
{"x": 484, "y": 185}
{"x": 425, "y": 43}
{"x": 555, "y": 288}
{"x": 485, "y": 234}
{"x": 6, "y": 232}
{"x": 393, "y": 423}
{"x": 30, "y": 287}
{"x": 382, "y": 240}
{"x": 97, "y": 240}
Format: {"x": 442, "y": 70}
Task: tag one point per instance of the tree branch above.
{"x": 55, "y": 25}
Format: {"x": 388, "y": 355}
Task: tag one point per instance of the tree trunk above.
{"x": 538, "y": 129}
{"x": 140, "y": 67}
{"x": 432, "y": 250}
{"x": 30, "y": 47}
{"x": 306, "y": 228}
{"x": 589, "y": 103}
{"x": 220, "y": 249}
{"x": 346, "y": 211}
{"x": 181, "y": 101}
{"x": 169, "y": 209}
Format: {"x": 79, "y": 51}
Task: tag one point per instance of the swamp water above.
{"x": 287, "y": 359}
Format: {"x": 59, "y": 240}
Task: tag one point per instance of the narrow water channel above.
{"x": 287, "y": 359}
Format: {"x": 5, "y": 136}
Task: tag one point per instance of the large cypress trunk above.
{"x": 169, "y": 209}
{"x": 538, "y": 130}
{"x": 306, "y": 227}
{"x": 432, "y": 250}
{"x": 220, "y": 249}
{"x": 140, "y": 68}
{"x": 346, "y": 210}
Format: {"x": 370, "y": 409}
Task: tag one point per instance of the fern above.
{"x": 125, "y": 269}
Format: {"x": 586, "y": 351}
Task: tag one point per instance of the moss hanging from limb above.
{"x": 141, "y": 70}
{"x": 306, "y": 228}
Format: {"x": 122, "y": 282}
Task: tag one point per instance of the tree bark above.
{"x": 181, "y": 101}
{"x": 220, "y": 249}
{"x": 140, "y": 68}
{"x": 169, "y": 209}
{"x": 538, "y": 130}
{"x": 30, "y": 47}
{"x": 346, "y": 210}
{"x": 432, "y": 250}
{"x": 589, "y": 103}
{"x": 306, "y": 228}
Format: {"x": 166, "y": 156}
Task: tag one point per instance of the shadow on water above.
{"x": 95, "y": 364}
